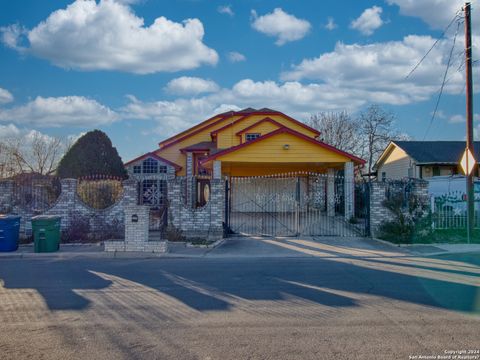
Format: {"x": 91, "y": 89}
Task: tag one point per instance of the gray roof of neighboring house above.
{"x": 437, "y": 152}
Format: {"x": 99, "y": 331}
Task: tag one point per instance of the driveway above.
{"x": 303, "y": 247}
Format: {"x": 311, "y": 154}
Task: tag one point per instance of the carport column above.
{"x": 349, "y": 190}
{"x": 217, "y": 169}
{"x": 190, "y": 188}
{"x": 330, "y": 192}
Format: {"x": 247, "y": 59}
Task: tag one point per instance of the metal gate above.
{"x": 153, "y": 192}
{"x": 294, "y": 204}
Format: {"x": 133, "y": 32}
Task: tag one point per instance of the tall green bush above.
{"x": 92, "y": 154}
{"x": 411, "y": 220}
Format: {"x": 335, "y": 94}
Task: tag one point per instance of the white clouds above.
{"x": 5, "y": 96}
{"x": 382, "y": 68}
{"x": 108, "y": 36}
{"x": 368, "y": 21}
{"x": 186, "y": 85}
{"x": 331, "y": 24}
{"x": 234, "y": 56}
{"x": 26, "y": 135}
{"x": 11, "y": 36}
{"x": 171, "y": 116}
{"x": 9, "y": 131}
{"x": 226, "y": 9}
{"x": 292, "y": 98}
{"x": 458, "y": 118}
{"x": 455, "y": 119}
{"x": 279, "y": 24}
{"x": 60, "y": 111}
{"x": 436, "y": 13}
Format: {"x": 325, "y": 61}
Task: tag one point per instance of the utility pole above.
{"x": 469, "y": 113}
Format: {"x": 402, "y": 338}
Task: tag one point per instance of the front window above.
{"x": 251, "y": 136}
{"x": 436, "y": 171}
{"x": 150, "y": 166}
{"x": 162, "y": 169}
{"x": 137, "y": 169}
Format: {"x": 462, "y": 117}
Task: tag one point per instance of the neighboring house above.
{"x": 421, "y": 159}
{"x": 243, "y": 143}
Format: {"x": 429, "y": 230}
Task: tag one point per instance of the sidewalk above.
{"x": 176, "y": 250}
{"x": 432, "y": 249}
{"x": 256, "y": 247}
{"x": 66, "y": 251}
{"x": 441, "y": 249}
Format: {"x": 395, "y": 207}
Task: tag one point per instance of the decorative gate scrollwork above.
{"x": 289, "y": 205}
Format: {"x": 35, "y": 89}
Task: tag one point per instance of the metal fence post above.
{"x": 297, "y": 207}
{"x": 227, "y": 200}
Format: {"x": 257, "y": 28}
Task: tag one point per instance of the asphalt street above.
{"x": 363, "y": 306}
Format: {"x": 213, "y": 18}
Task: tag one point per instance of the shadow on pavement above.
{"x": 332, "y": 277}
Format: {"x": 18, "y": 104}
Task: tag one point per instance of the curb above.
{"x": 384, "y": 242}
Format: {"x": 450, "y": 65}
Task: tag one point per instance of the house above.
{"x": 248, "y": 143}
{"x": 242, "y": 143}
{"x": 422, "y": 159}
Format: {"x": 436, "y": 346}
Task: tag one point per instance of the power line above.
{"x": 443, "y": 82}
{"x": 434, "y": 44}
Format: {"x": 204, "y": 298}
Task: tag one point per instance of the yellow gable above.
{"x": 227, "y": 137}
{"x": 283, "y": 148}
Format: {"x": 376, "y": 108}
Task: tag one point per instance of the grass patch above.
{"x": 455, "y": 236}
{"x": 447, "y": 236}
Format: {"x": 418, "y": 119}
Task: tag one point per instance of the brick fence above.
{"x": 378, "y": 194}
{"x": 204, "y": 222}
{"x": 69, "y": 206}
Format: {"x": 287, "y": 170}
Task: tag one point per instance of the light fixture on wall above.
{"x": 286, "y": 147}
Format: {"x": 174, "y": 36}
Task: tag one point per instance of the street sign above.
{"x": 468, "y": 162}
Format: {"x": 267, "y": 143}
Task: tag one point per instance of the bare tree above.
{"x": 34, "y": 152}
{"x": 376, "y": 127}
{"x": 365, "y": 135}
{"x": 338, "y": 129}
{"x": 8, "y": 165}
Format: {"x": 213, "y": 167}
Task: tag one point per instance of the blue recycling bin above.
{"x": 9, "y": 229}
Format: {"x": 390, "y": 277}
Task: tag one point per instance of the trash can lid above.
{"x": 9, "y": 217}
{"x": 46, "y": 217}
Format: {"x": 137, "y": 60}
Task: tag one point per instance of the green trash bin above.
{"x": 46, "y": 233}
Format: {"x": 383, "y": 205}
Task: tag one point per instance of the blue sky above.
{"x": 143, "y": 70}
